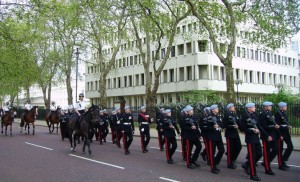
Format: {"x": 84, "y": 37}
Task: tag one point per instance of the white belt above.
{"x": 284, "y": 125}
{"x": 145, "y": 123}
{"x": 127, "y": 123}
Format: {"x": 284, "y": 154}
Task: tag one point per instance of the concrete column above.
{"x": 196, "y": 72}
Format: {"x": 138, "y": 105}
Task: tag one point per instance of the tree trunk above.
{"x": 49, "y": 95}
{"x": 69, "y": 89}
{"x": 102, "y": 90}
{"x": 28, "y": 93}
{"x": 44, "y": 88}
{"x": 229, "y": 82}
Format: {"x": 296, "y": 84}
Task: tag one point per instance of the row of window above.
{"x": 201, "y": 72}
{"x": 257, "y": 55}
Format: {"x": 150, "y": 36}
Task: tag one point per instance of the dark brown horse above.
{"x": 6, "y": 120}
{"x": 27, "y": 118}
{"x": 86, "y": 123}
{"x": 52, "y": 119}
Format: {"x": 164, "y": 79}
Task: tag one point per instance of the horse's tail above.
{"x": 22, "y": 120}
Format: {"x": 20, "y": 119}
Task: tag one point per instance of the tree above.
{"x": 268, "y": 23}
{"x": 155, "y": 23}
{"x": 105, "y": 23}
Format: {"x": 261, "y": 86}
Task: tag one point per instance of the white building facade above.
{"x": 193, "y": 66}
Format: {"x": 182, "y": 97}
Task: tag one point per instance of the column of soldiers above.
{"x": 271, "y": 129}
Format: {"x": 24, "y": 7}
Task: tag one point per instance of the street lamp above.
{"x": 77, "y": 57}
{"x": 237, "y": 82}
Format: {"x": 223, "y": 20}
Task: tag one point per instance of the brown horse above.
{"x": 7, "y": 119}
{"x": 52, "y": 119}
{"x": 27, "y": 118}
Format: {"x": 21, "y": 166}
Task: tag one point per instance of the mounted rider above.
{"x": 27, "y": 106}
{"x": 80, "y": 108}
{"x": 6, "y": 108}
{"x": 53, "y": 109}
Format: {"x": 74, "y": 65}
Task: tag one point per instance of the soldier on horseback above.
{"x": 6, "y": 108}
{"x": 80, "y": 107}
{"x": 53, "y": 109}
{"x": 28, "y": 106}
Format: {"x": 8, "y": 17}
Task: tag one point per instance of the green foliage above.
{"x": 284, "y": 95}
{"x": 207, "y": 97}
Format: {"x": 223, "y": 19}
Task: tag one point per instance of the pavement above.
{"x": 153, "y": 134}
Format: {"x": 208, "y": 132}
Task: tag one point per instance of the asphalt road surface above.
{"x": 45, "y": 157}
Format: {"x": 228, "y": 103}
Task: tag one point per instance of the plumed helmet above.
{"x": 81, "y": 95}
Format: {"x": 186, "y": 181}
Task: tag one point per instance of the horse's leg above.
{"x": 57, "y": 128}
{"x": 88, "y": 143}
{"x": 33, "y": 128}
{"x": 6, "y": 129}
{"x": 84, "y": 143}
{"x": 52, "y": 127}
{"x": 28, "y": 128}
{"x": 73, "y": 139}
{"x": 10, "y": 129}
{"x": 2, "y": 127}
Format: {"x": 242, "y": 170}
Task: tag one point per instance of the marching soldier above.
{"x": 159, "y": 128}
{"x": 234, "y": 146}
{"x": 169, "y": 126}
{"x": 214, "y": 129}
{"x": 113, "y": 127}
{"x": 117, "y": 124}
{"x": 249, "y": 125}
{"x": 203, "y": 126}
{"x": 127, "y": 129}
{"x": 102, "y": 127}
{"x": 192, "y": 134}
{"x": 183, "y": 138}
{"x": 269, "y": 130}
{"x": 282, "y": 120}
{"x": 144, "y": 121}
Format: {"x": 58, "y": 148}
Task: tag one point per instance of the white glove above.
{"x": 152, "y": 119}
{"x": 142, "y": 130}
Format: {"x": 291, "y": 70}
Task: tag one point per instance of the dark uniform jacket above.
{"x": 127, "y": 122}
{"x": 182, "y": 123}
{"x": 159, "y": 120}
{"x": 283, "y": 121}
{"x": 229, "y": 121}
{"x": 103, "y": 122}
{"x": 189, "y": 133}
{"x": 248, "y": 123}
{"x": 203, "y": 126}
{"x": 267, "y": 126}
{"x": 213, "y": 133}
{"x": 111, "y": 123}
{"x": 117, "y": 121}
{"x": 169, "y": 132}
{"x": 144, "y": 121}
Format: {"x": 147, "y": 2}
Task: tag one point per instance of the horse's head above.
{"x": 94, "y": 112}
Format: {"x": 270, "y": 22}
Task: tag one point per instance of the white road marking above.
{"x": 277, "y": 164}
{"x": 99, "y": 162}
{"x": 38, "y": 146}
{"x": 167, "y": 179}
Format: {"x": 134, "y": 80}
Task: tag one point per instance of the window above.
{"x": 188, "y": 47}
{"x": 119, "y": 82}
{"x": 130, "y": 81}
{"x": 222, "y": 76}
{"x": 131, "y": 60}
{"x": 165, "y": 76}
{"x": 252, "y": 54}
{"x": 171, "y": 75}
{"x": 243, "y": 53}
{"x": 137, "y": 82}
{"x": 180, "y": 49}
{"x": 279, "y": 60}
{"x": 184, "y": 29}
{"x": 268, "y": 57}
{"x": 173, "y": 51}
{"x": 251, "y": 76}
{"x": 181, "y": 74}
{"x": 189, "y": 73}
{"x": 256, "y": 55}
{"x": 258, "y": 77}
{"x": 202, "y": 45}
{"x": 238, "y": 52}
{"x": 135, "y": 59}
{"x": 142, "y": 79}
{"x": 163, "y": 53}
{"x": 275, "y": 59}
{"x": 263, "y": 78}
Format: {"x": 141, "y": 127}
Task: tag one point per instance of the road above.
{"x": 45, "y": 157}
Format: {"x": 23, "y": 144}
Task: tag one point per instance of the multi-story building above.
{"x": 295, "y": 45}
{"x": 193, "y": 66}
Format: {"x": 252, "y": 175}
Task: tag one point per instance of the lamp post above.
{"x": 237, "y": 82}
{"x": 77, "y": 57}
